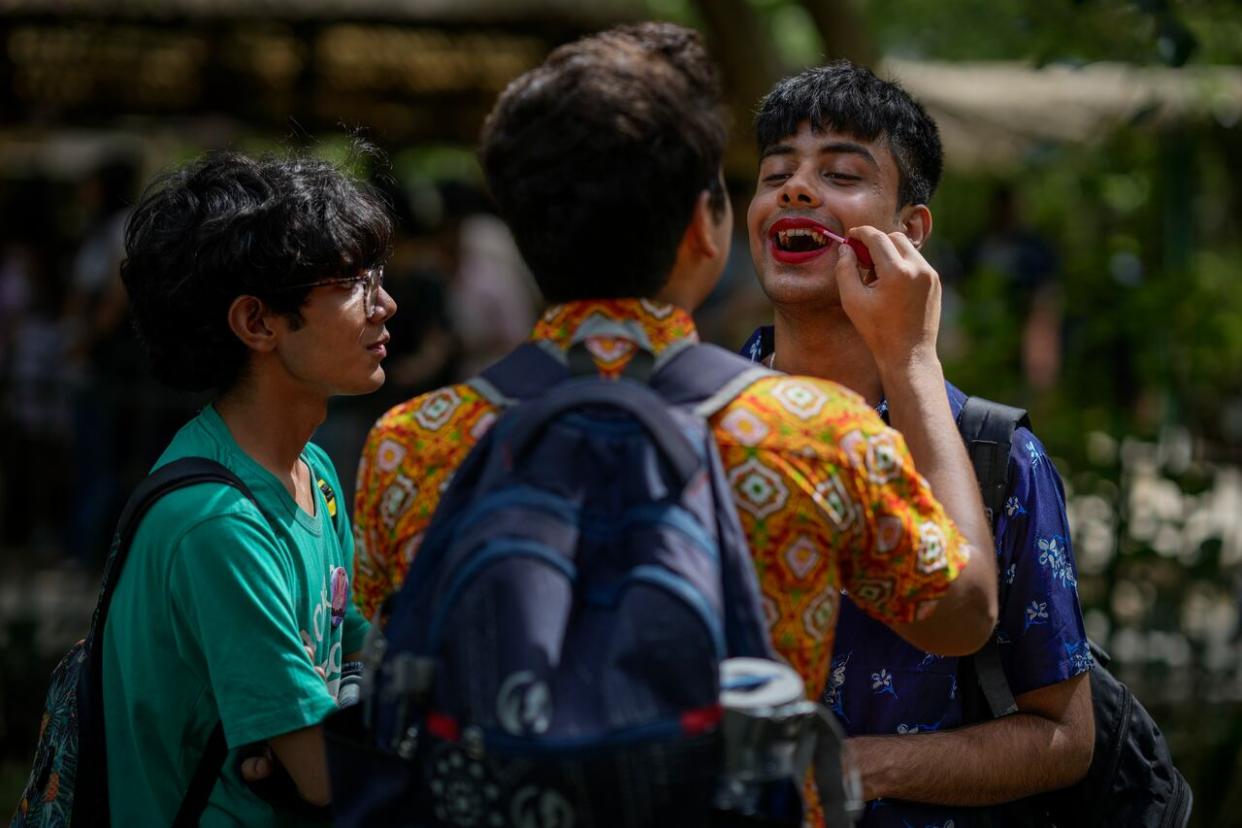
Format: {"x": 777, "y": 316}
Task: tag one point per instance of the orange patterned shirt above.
{"x": 827, "y": 494}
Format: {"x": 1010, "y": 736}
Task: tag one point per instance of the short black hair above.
{"x": 848, "y": 98}
{"x": 228, "y": 225}
{"x": 597, "y": 157}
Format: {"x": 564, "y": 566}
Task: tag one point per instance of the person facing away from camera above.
{"x": 260, "y": 281}
{"x": 845, "y": 151}
{"x": 606, "y": 163}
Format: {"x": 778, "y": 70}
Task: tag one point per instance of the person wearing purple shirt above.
{"x": 846, "y": 152}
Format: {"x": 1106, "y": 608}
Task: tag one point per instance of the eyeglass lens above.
{"x": 374, "y": 280}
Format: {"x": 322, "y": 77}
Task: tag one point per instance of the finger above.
{"x": 851, "y": 282}
{"x": 863, "y": 254}
{"x": 884, "y": 253}
{"x": 903, "y": 244}
{"x": 914, "y": 257}
{"x": 256, "y": 768}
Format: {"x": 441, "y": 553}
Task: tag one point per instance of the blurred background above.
{"x": 1088, "y": 231}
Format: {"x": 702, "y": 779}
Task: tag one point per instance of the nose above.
{"x": 385, "y": 305}
{"x": 799, "y": 190}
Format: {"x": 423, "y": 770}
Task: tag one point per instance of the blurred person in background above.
{"x": 1028, "y": 265}
{"x": 491, "y": 295}
{"x": 102, "y": 364}
{"x": 425, "y": 349}
{"x": 35, "y": 410}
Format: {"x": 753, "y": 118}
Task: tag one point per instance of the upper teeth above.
{"x": 786, "y": 235}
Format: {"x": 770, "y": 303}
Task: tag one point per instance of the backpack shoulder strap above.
{"x": 987, "y": 428}
{"x": 188, "y": 471}
{"x": 993, "y": 683}
{"x": 524, "y": 373}
{"x": 705, "y": 377}
{"x": 204, "y": 780}
{"x": 634, "y": 399}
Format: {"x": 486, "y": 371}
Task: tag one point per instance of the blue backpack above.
{"x": 553, "y": 658}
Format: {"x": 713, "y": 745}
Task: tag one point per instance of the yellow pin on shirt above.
{"x": 329, "y": 496}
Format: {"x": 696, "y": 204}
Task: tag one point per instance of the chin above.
{"x": 371, "y": 384}
{"x": 800, "y": 288}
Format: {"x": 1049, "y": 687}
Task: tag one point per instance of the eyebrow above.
{"x": 830, "y": 148}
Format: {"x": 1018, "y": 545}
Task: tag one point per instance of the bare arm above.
{"x": 1046, "y": 745}
{"x": 312, "y": 782}
{"x": 919, "y": 409}
{"x": 897, "y": 313}
{"x": 302, "y": 754}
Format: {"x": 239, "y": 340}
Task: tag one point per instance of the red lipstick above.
{"x": 786, "y": 225}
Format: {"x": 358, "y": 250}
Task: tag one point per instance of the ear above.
{"x": 915, "y": 221}
{"x": 702, "y": 236}
{"x": 701, "y": 255}
{"x": 250, "y": 321}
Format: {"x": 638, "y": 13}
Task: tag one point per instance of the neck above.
{"x": 824, "y": 343}
{"x": 271, "y": 428}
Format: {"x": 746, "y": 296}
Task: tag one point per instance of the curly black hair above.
{"x": 228, "y": 225}
{"x": 597, "y": 157}
{"x": 848, "y": 98}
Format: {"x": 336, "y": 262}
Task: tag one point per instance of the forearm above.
{"x": 919, "y": 409}
{"x": 985, "y": 764}
{"x": 302, "y": 754}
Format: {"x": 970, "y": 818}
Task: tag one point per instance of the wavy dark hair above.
{"x": 229, "y": 225}
{"x": 848, "y": 98}
{"x": 597, "y": 157}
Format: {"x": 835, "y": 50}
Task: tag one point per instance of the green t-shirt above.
{"x": 209, "y": 623}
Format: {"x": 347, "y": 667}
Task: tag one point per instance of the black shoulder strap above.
{"x": 188, "y": 471}
{"x": 204, "y": 780}
{"x": 987, "y": 429}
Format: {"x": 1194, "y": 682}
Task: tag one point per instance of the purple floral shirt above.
{"x": 882, "y": 685}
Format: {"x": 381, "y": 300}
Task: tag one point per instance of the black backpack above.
{"x": 68, "y": 784}
{"x": 1132, "y": 781}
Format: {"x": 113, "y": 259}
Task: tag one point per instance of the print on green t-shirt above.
{"x": 225, "y": 612}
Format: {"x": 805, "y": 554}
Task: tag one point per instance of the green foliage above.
{"x": 1075, "y": 31}
{"x": 1148, "y": 279}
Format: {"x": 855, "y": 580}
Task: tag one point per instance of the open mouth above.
{"x": 800, "y": 240}
{"x": 797, "y": 240}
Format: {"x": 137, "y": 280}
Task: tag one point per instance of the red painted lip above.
{"x": 788, "y": 257}
{"x": 795, "y": 222}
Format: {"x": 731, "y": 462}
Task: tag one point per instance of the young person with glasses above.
{"x": 259, "y": 280}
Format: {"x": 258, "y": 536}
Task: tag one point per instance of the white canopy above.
{"x": 992, "y": 114}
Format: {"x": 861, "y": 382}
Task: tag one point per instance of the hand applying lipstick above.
{"x": 860, "y": 249}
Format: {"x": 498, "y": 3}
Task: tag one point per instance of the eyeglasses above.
{"x": 373, "y": 279}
